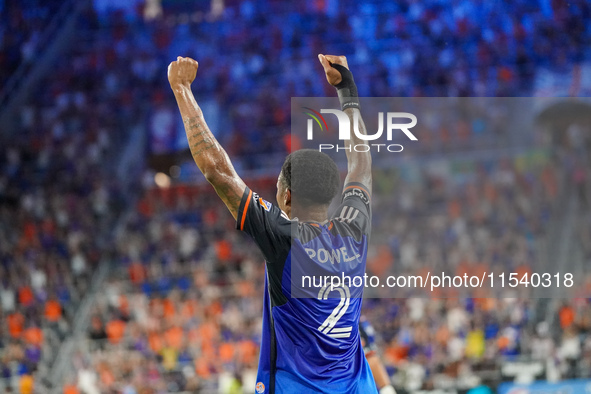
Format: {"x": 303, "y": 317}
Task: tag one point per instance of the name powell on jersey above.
{"x": 322, "y": 255}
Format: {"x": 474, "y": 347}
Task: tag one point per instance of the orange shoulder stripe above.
{"x": 245, "y": 209}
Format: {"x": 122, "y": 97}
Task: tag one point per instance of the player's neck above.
{"x": 317, "y": 213}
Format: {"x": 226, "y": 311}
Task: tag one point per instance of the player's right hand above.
{"x": 332, "y": 75}
{"x": 182, "y": 72}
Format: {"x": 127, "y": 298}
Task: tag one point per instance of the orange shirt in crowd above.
{"x": 34, "y": 336}
{"x": 71, "y": 389}
{"x": 25, "y": 296}
{"x": 115, "y": 330}
{"x": 246, "y": 289}
{"x": 202, "y": 367}
{"x": 189, "y": 308}
{"x": 174, "y": 337}
{"x": 396, "y": 353}
{"x": 16, "y": 322}
{"x": 522, "y": 270}
{"x": 226, "y": 352}
{"x": 155, "y": 342}
{"x": 484, "y": 303}
{"x": 53, "y": 310}
{"x": 208, "y": 350}
{"x": 381, "y": 262}
{"x": 107, "y": 377}
{"x": 168, "y": 308}
{"x": 223, "y": 249}
{"x": 503, "y": 342}
{"x": 207, "y": 332}
{"x": 137, "y": 273}
{"x": 214, "y": 309}
{"x": 248, "y": 352}
{"x": 567, "y": 316}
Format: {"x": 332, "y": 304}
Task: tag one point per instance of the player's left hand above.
{"x": 182, "y": 72}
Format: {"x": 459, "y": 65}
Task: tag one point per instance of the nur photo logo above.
{"x": 390, "y": 122}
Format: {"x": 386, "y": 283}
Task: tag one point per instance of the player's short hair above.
{"x": 311, "y": 176}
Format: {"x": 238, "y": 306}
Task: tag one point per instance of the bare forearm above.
{"x": 205, "y": 149}
{"x": 210, "y": 157}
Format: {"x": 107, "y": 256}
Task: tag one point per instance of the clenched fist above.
{"x": 182, "y": 72}
{"x": 332, "y": 75}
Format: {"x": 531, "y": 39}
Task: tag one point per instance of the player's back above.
{"x": 310, "y": 339}
{"x": 318, "y": 343}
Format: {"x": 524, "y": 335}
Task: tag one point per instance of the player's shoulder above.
{"x": 258, "y": 217}
{"x": 355, "y": 228}
{"x": 269, "y": 207}
{"x": 306, "y": 232}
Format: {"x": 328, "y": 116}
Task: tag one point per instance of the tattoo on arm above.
{"x": 228, "y": 193}
{"x": 207, "y": 144}
{"x": 208, "y": 154}
{"x": 198, "y": 135}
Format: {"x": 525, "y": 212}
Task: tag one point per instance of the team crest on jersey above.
{"x": 260, "y": 387}
{"x": 265, "y": 204}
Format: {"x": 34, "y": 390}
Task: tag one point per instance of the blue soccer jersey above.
{"x": 310, "y": 339}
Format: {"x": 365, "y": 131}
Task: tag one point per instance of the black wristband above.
{"x": 346, "y": 89}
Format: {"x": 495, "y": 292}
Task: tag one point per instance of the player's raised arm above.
{"x": 338, "y": 75}
{"x": 211, "y": 158}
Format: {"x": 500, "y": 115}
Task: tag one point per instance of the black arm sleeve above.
{"x": 355, "y": 209}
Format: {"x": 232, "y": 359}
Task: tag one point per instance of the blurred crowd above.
{"x": 183, "y": 304}
{"x": 471, "y": 217}
{"x": 57, "y": 205}
{"x": 480, "y": 215}
{"x": 183, "y": 308}
{"x": 22, "y": 24}
{"x": 269, "y": 54}
{"x": 462, "y": 343}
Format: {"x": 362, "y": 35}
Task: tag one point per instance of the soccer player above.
{"x": 309, "y": 344}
